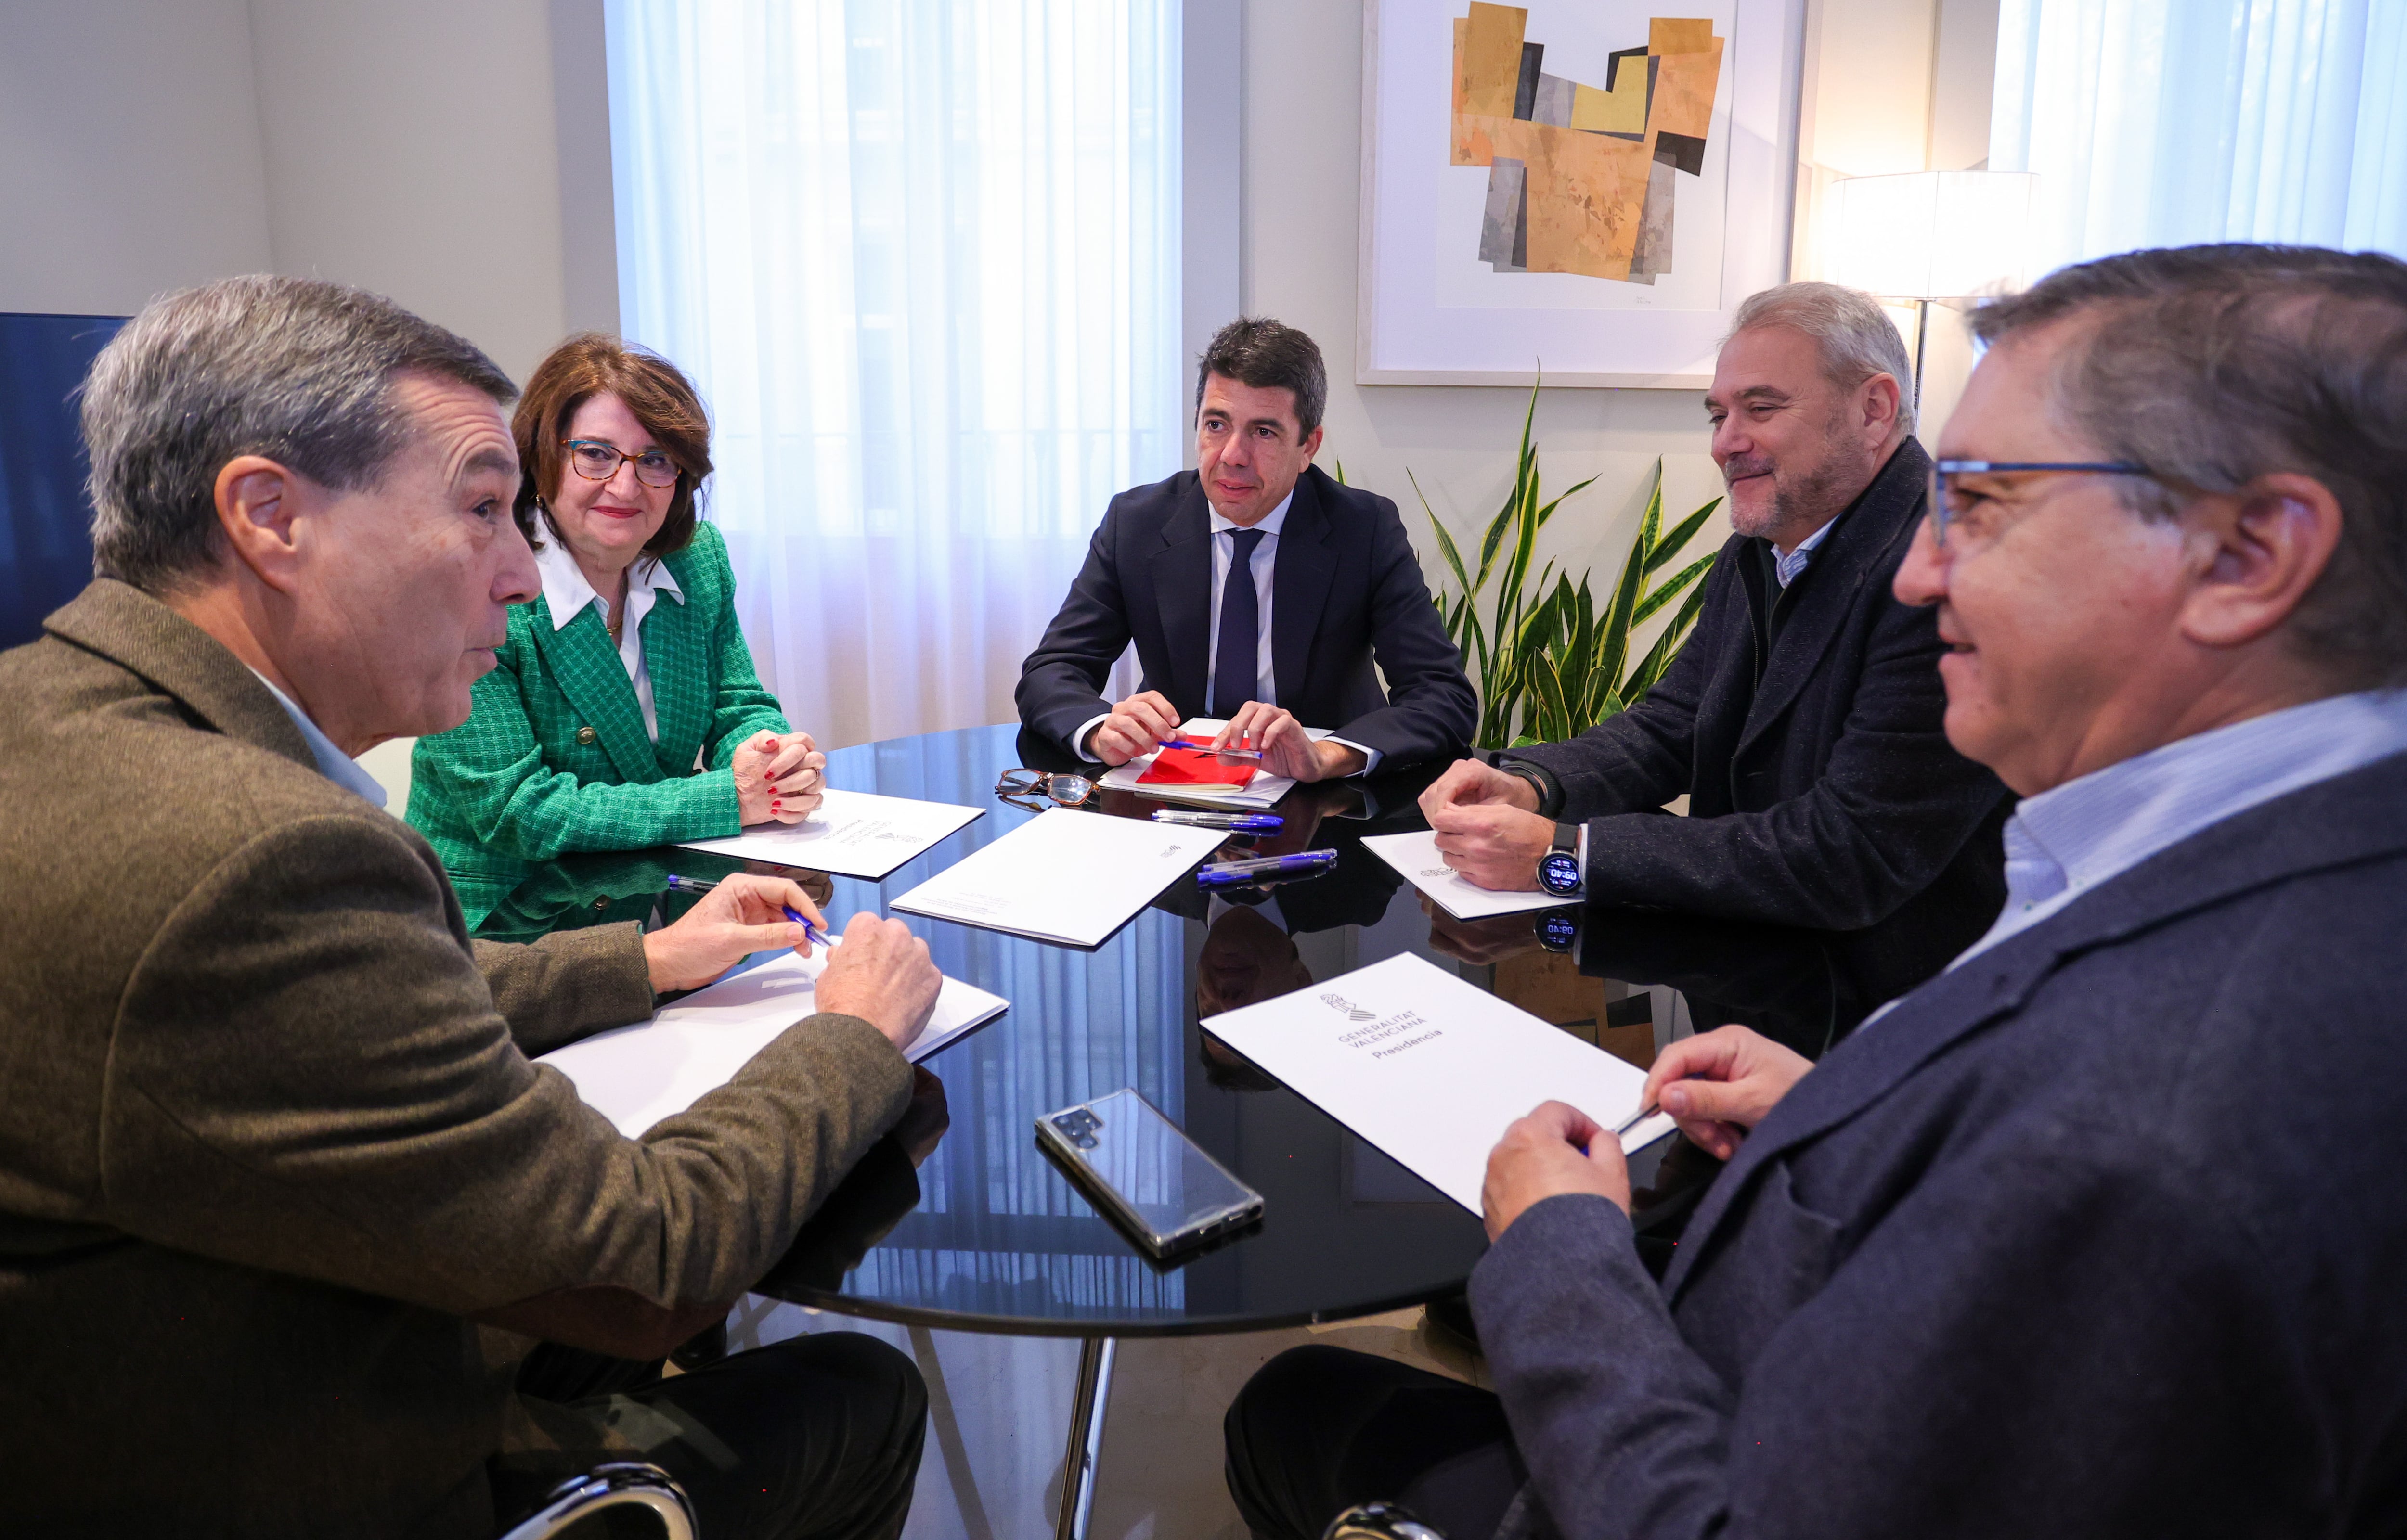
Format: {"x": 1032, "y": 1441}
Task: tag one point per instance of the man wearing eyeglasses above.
{"x": 1801, "y": 720}
{"x": 2100, "y": 1232}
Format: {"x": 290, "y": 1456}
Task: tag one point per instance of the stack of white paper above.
{"x": 638, "y": 1075}
{"x": 851, "y": 834}
{"x": 1260, "y": 792}
{"x": 1416, "y": 856}
{"x": 1063, "y": 876}
{"x": 1429, "y": 1068}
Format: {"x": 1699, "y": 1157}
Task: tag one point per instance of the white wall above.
{"x": 410, "y": 150}
{"x": 130, "y": 157}
{"x": 416, "y": 150}
{"x": 422, "y": 150}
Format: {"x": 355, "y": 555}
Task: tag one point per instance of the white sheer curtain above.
{"x": 2162, "y": 122}
{"x": 922, "y": 255}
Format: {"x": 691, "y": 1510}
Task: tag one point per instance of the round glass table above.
{"x": 981, "y": 1232}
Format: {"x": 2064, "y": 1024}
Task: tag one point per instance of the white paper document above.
{"x": 1063, "y": 876}
{"x": 1416, "y": 856}
{"x": 850, "y": 833}
{"x": 638, "y": 1075}
{"x": 1260, "y": 792}
{"x": 1429, "y": 1068}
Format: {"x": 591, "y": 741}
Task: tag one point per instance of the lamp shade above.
{"x": 1930, "y": 234}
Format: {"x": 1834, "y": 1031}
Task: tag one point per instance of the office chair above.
{"x": 1378, "y": 1522}
{"x": 45, "y": 519}
{"x": 622, "y": 1484}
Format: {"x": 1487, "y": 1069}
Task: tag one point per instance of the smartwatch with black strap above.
{"x": 1559, "y": 869}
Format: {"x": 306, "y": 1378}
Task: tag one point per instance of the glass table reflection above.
{"x": 982, "y": 1233}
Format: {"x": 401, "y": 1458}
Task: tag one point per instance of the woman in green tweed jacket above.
{"x": 625, "y": 711}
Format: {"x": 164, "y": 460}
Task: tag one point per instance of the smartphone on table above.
{"x": 1142, "y": 1169}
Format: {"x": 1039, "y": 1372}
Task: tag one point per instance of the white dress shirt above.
{"x": 1265, "y": 562}
{"x": 2067, "y": 840}
{"x": 333, "y": 763}
{"x": 566, "y": 589}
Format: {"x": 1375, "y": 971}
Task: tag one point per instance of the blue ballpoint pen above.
{"x": 1206, "y": 748}
{"x": 811, "y": 933}
{"x": 1234, "y": 873}
{"x": 1243, "y": 823}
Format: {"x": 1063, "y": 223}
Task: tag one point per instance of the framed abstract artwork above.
{"x": 1585, "y": 188}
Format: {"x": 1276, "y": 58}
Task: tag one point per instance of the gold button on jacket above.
{"x": 586, "y": 735}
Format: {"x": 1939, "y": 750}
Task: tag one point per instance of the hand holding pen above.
{"x": 815, "y": 930}
{"x": 1718, "y": 1084}
{"x": 737, "y": 916}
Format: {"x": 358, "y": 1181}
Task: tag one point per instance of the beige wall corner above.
{"x": 412, "y": 150}
{"x": 133, "y": 162}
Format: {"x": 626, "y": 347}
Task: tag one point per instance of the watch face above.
{"x": 1559, "y": 873}
{"x": 1557, "y": 931}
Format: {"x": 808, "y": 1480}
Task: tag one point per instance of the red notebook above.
{"x": 1195, "y": 767}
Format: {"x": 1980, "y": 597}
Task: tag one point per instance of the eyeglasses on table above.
{"x": 1021, "y": 788}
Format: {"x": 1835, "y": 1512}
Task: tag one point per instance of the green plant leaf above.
{"x": 1553, "y": 715}
{"x": 1548, "y": 511}
{"x": 1681, "y": 534}
{"x": 1669, "y": 587}
{"x": 1658, "y": 657}
{"x": 1445, "y": 541}
{"x": 1613, "y": 648}
{"x": 1652, "y": 521}
{"x": 1494, "y": 538}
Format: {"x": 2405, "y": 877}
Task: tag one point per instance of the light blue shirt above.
{"x": 1786, "y": 568}
{"x": 2065, "y": 842}
{"x": 336, "y": 766}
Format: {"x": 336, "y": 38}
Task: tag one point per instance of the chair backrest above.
{"x": 45, "y": 517}
{"x": 626, "y": 1485}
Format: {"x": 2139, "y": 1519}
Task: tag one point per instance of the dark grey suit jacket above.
{"x": 2104, "y": 1232}
{"x": 1347, "y": 592}
{"x": 1827, "y": 795}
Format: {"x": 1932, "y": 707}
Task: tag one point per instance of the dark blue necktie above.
{"x": 1233, "y": 676}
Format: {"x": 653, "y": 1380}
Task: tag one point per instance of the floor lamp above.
{"x": 1922, "y": 236}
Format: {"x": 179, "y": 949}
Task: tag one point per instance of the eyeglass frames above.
{"x": 1020, "y": 788}
{"x": 598, "y": 461}
{"x": 1943, "y": 471}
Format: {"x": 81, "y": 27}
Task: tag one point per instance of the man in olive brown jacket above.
{"x": 270, "y": 1143}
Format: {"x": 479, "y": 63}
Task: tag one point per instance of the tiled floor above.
{"x": 1000, "y": 1409}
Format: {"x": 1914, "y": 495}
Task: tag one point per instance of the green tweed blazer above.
{"x": 271, "y": 1148}
{"x": 554, "y": 758}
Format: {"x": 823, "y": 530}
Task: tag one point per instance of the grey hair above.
{"x": 1853, "y": 334}
{"x": 2213, "y": 365}
{"x": 296, "y": 369}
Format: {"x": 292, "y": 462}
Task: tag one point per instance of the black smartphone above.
{"x": 1142, "y": 1169}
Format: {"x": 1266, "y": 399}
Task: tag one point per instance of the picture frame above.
{"x": 1573, "y": 217}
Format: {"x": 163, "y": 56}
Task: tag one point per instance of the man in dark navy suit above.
{"x": 1801, "y": 720}
{"x": 2100, "y": 1233}
{"x": 1329, "y": 586}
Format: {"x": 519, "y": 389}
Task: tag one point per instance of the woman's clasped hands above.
{"x": 780, "y": 778}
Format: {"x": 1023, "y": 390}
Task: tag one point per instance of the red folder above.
{"x": 1195, "y": 767}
